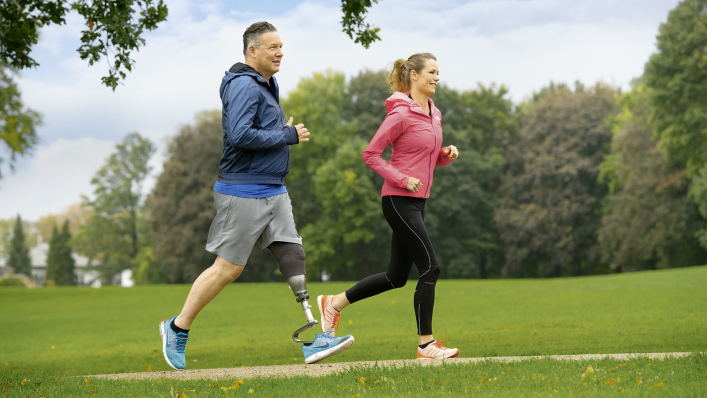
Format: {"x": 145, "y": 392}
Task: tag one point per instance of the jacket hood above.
{"x": 240, "y": 69}
{"x": 399, "y": 99}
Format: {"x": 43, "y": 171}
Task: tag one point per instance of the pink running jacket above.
{"x": 417, "y": 146}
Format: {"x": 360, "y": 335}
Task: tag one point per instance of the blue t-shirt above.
{"x": 253, "y": 191}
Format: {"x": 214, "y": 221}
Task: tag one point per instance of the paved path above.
{"x": 328, "y": 368}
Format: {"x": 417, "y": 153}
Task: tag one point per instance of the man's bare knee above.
{"x": 227, "y": 268}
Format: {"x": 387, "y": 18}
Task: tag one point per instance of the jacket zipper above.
{"x": 429, "y": 166}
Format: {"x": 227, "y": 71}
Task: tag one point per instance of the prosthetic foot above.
{"x": 298, "y": 284}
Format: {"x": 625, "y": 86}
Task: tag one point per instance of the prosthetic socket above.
{"x": 298, "y": 284}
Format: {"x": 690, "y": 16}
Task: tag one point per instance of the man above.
{"x": 250, "y": 197}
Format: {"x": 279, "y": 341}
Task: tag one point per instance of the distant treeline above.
{"x": 573, "y": 181}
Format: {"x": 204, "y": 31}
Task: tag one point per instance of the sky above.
{"x": 521, "y": 44}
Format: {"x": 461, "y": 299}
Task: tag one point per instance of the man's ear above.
{"x": 251, "y": 51}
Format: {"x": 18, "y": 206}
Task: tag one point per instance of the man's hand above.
{"x": 302, "y": 132}
{"x": 414, "y": 184}
{"x": 451, "y": 152}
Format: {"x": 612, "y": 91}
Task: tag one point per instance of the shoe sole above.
{"x": 320, "y": 305}
{"x": 451, "y": 356}
{"x": 164, "y": 344}
{"x": 345, "y": 345}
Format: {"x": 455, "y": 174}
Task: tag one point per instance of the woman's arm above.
{"x": 392, "y": 127}
{"x": 446, "y": 155}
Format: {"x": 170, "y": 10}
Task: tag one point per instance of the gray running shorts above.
{"x": 241, "y": 222}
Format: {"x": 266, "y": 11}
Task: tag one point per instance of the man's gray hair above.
{"x": 254, "y": 34}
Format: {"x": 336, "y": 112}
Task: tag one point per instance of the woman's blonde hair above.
{"x": 399, "y": 78}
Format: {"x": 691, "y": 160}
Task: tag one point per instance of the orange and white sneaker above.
{"x": 435, "y": 350}
{"x": 330, "y": 316}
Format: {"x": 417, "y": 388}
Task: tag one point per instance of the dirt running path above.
{"x": 328, "y": 368}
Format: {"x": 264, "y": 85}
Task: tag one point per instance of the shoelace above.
{"x": 335, "y": 321}
{"x": 439, "y": 343}
{"x": 328, "y": 335}
{"x": 180, "y": 343}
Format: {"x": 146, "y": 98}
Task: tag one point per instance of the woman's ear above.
{"x": 413, "y": 75}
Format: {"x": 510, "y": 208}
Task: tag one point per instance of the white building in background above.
{"x": 38, "y": 255}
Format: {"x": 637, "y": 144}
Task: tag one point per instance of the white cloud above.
{"x": 521, "y": 44}
{"x": 54, "y": 179}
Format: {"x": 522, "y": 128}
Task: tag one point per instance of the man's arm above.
{"x": 241, "y": 108}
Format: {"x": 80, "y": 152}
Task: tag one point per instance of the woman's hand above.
{"x": 451, "y": 152}
{"x": 414, "y": 184}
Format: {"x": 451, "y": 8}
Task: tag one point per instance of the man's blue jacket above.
{"x": 255, "y": 139}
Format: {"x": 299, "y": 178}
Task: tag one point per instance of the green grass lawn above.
{"x": 641, "y": 377}
{"x": 75, "y": 331}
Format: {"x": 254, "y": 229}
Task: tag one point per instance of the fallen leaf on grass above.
{"x": 611, "y": 382}
{"x": 86, "y": 380}
{"x": 24, "y": 381}
{"x": 589, "y": 370}
{"x": 661, "y": 384}
{"x": 361, "y": 379}
{"x": 639, "y": 382}
{"x": 149, "y": 368}
{"x": 236, "y": 385}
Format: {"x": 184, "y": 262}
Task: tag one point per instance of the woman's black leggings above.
{"x": 405, "y": 215}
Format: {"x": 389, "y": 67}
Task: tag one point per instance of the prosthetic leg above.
{"x": 298, "y": 284}
{"x": 290, "y": 257}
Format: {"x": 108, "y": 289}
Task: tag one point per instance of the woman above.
{"x": 413, "y": 128}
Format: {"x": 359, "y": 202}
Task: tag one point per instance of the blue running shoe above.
{"x": 173, "y": 344}
{"x": 325, "y": 345}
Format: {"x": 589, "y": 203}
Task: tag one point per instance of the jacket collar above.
{"x": 403, "y": 99}
{"x": 239, "y": 69}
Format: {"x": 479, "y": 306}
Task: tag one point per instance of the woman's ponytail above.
{"x": 399, "y": 78}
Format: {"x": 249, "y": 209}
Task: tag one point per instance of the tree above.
{"x": 147, "y": 270}
{"x": 699, "y": 193}
{"x": 464, "y": 195}
{"x": 60, "y": 262}
{"x": 7, "y": 228}
{"x": 180, "y": 206}
{"x": 116, "y": 230}
{"x": 111, "y": 26}
{"x": 17, "y": 123}
{"x": 551, "y": 206}
{"x": 349, "y": 216}
{"x": 76, "y": 214}
{"x": 346, "y": 252}
{"x": 354, "y": 23}
{"x": 677, "y": 76}
{"x": 649, "y": 221}
{"x": 18, "y": 257}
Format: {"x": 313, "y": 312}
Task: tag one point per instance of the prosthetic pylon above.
{"x": 298, "y": 284}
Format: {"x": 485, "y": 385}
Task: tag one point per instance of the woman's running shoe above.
{"x": 435, "y": 350}
{"x": 324, "y": 346}
{"x": 330, "y": 316}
